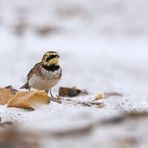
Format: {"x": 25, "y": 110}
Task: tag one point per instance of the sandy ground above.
{"x": 102, "y": 50}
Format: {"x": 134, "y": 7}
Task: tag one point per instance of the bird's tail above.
{"x": 26, "y": 86}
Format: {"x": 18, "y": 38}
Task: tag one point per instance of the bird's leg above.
{"x": 29, "y": 88}
{"x": 51, "y": 94}
{"x": 55, "y": 99}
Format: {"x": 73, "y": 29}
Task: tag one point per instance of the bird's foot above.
{"x": 56, "y": 99}
{"x": 52, "y": 98}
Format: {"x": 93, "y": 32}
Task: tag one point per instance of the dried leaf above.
{"x": 71, "y": 92}
{"x": 5, "y": 95}
{"x": 27, "y": 100}
{"x": 13, "y": 90}
{"x": 105, "y": 95}
{"x": 100, "y": 96}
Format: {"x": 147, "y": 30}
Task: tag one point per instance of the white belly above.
{"x": 49, "y": 80}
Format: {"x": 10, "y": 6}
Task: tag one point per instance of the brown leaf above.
{"x": 105, "y": 95}
{"x": 27, "y": 100}
{"x": 71, "y": 92}
{"x": 13, "y": 90}
{"x": 5, "y": 95}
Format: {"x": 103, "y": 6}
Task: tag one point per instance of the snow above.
{"x": 103, "y": 49}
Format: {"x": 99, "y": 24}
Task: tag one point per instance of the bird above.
{"x": 45, "y": 74}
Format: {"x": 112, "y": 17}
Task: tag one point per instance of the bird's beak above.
{"x": 54, "y": 61}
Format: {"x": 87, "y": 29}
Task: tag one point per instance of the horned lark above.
{"x": 45, "y": 74}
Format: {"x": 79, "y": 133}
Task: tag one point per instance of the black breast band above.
{"x": 51, "y": 67}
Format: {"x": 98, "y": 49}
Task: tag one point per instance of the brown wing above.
{"x": 60, "y": 72}
{"x": 36, "y": 69}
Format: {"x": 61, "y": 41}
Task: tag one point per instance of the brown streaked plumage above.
{"x": 36, "y": 69}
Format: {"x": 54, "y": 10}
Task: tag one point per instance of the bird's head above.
{"x": 50, "y": 58}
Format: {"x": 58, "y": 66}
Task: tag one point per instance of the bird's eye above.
{"x": 49, "y": 58}
{"x": 53, "y": 56}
